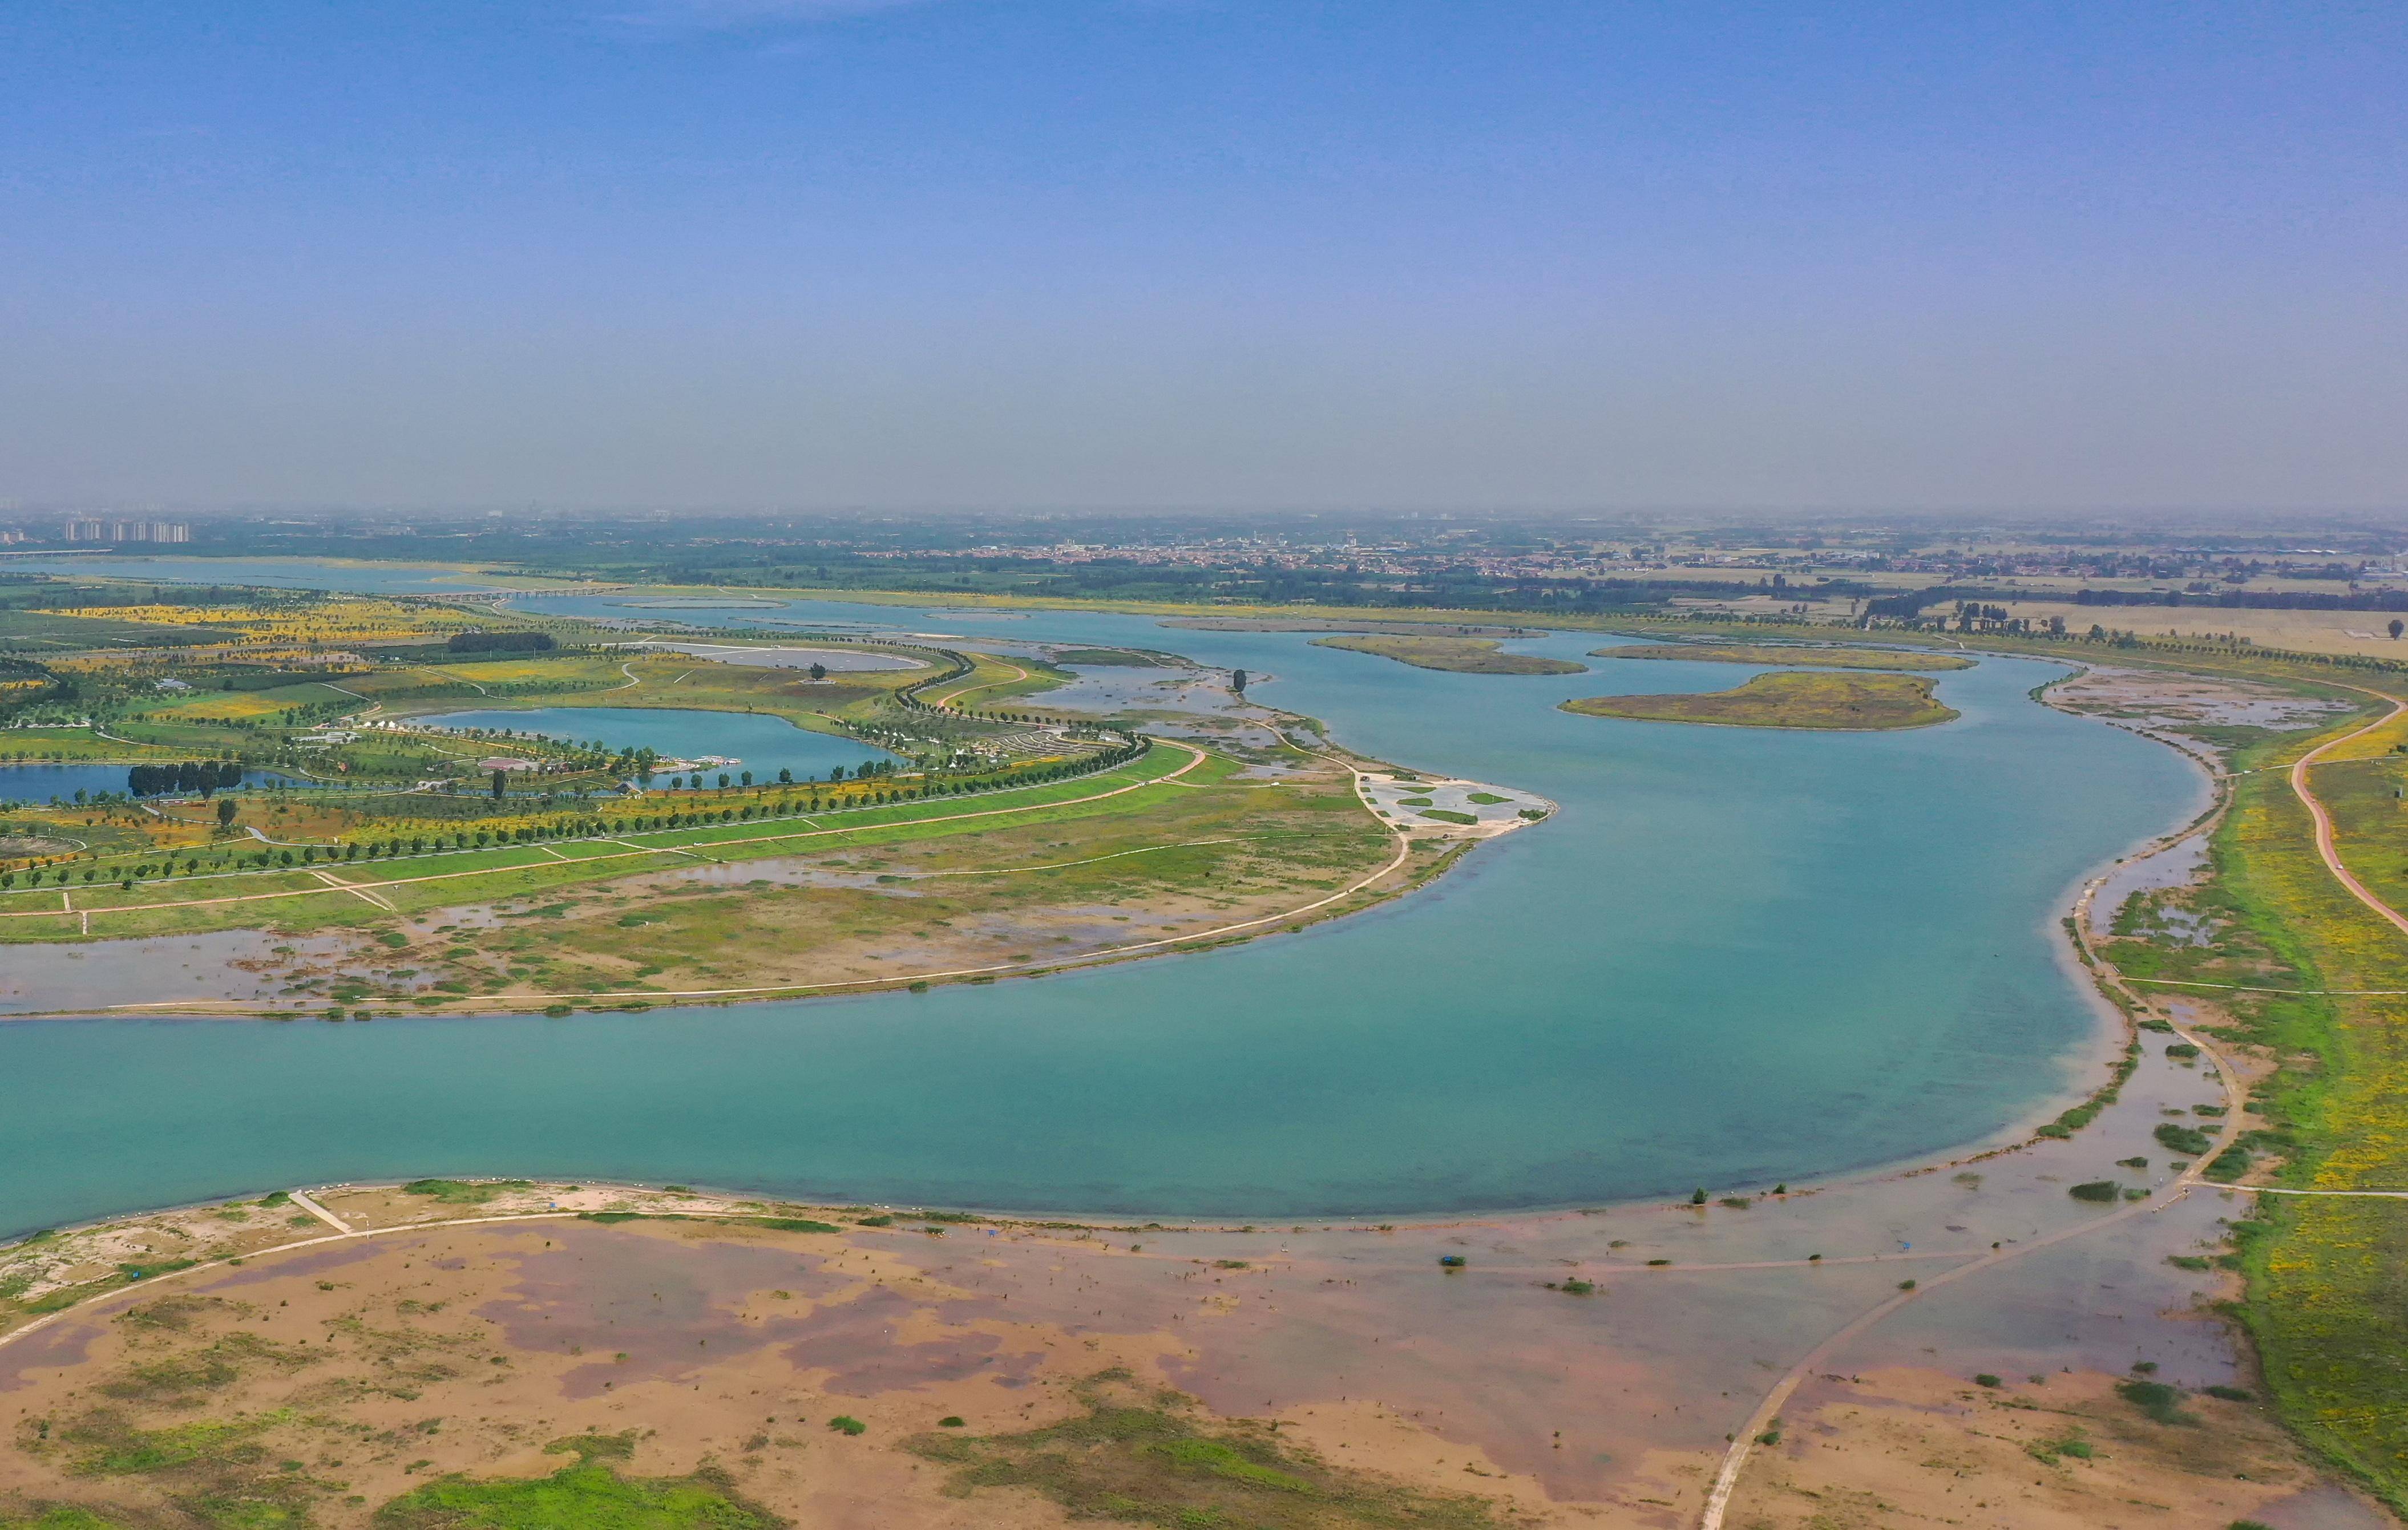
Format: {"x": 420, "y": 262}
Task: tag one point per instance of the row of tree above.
{"x": 202, "y": 776}
{"x": 500, "y": 642}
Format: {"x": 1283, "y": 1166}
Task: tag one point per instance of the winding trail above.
{"x": 2324, "y": 847}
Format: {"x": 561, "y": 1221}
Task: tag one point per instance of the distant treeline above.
{"x": 202, "y": 776}
{"x": 2251, "y": 600}
{"x": 500, "y": 642}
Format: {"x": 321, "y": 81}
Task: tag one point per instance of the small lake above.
{"x": 760, "y": 743}
{"x": 39, "y": 784}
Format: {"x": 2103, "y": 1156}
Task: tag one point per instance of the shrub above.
{"x": 2183, "y": 1140}
{"x": 2182, "y": 1048}
{"x": 2230, "y": 1165}
{"x": 2229, "y": 1394}
{"x": 845, "y": 1423}
{"x": 2154, "y": 1398}
{"x": 951, "y": 1421}
{"x": 2096, "y": 1189}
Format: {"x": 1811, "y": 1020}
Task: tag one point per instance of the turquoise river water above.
{"x": 1735, "y": 956}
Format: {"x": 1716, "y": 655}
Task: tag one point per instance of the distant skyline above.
{"x": 1104, "y": 254}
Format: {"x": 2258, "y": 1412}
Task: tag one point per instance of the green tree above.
{"x": 501, "y": 779}
{"x": 225, "y": 812}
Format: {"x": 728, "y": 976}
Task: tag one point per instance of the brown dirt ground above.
{"x": 1906, "y": 1447}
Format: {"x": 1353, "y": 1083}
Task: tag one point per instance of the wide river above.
{"x": 1735, "y": 956}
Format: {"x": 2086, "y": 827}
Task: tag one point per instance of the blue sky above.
{"x": 1163, "y": 252}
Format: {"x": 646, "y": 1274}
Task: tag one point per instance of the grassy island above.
{"x": 1810, "y": 655}
{"x": 1788, "y": 700}
{"x": 1465, "y": 655}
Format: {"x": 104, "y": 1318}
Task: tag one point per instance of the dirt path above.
{"x": 2324, "y": 847}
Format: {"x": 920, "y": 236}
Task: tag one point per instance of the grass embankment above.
{"x": 1143, "y": 1457}
{"x": 1465, "y": 656}
{"x": 1804, "y": 654}
{"x": 992, "y": 682}
{"x": 42, "y": 632}
{"x": 220, "y": 1476}
{"x": 1788, "y": 699}
{"x": 2327, "y": 1300}
{"x": 74, "y": 746}
{"x": 588, "y": 1493}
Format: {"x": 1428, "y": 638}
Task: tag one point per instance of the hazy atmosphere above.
{"x": 1104, "y": 253}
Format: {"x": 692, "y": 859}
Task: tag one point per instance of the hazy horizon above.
{"x": 1144, "y": 256}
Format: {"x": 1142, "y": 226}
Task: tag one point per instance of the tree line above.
{"x": 202, "y": 776}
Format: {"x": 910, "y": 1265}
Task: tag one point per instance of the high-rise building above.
{"x": 85, "y": 528}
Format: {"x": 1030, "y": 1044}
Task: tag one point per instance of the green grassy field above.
{"x": 297, "y": 899}
{"x": 1787, "y": 699}
{"x": 2327, "y": 1297}
{"x": 1173, "y": 846}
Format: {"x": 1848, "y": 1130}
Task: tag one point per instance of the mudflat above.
{"x": 1465, "y": 656}
{"x": 1814, "y": 655}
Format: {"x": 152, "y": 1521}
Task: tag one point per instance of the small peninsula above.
{"x": 1801, "y": 699}
{"x": 1465, "y": 655}
{"x": 1811, "y": 655}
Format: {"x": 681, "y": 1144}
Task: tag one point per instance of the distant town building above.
{"x": 85, "y": 528}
